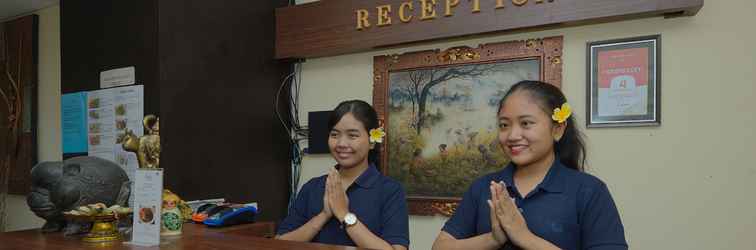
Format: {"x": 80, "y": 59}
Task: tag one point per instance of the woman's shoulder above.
{"x": 482, "y": 183}
{"x": 585, "y": 185}
{"x": 582, "y": 178}
{"x": 389, "y": 183}
{"x": 315, "y": 181}
{"x": 589, "y": 191}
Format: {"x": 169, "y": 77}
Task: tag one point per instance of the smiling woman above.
{"x": 354, "y": 204}
{"x": 542, "y": 199}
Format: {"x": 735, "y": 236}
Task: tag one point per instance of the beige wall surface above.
{"x": 19, "y": 216}
{"x": 685, "y": 185}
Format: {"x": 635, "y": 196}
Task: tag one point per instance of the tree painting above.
{"x": 442, "y": 124}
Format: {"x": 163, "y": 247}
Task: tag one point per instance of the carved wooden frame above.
{"x": 18, "y": 82}
{"x": 547, "y": 50}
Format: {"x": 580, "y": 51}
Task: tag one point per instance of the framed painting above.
{"x": 624, "y": 82}
{"x": 439, "y": 112}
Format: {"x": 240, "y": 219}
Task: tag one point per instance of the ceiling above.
{"x": 14, "y": 8}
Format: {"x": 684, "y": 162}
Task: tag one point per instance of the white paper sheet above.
{"x": 148, "y": 202}
{"x": 117, "y": 77}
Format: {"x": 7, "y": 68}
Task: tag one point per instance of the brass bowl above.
{"x": 104, "y": 227}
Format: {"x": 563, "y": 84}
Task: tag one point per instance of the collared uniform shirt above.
{"x": 570, "y": 209}
{"x": 378, "y": 202}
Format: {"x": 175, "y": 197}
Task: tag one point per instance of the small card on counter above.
{"x": 148, "y": 200}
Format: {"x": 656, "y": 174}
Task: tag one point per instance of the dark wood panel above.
{"x": 208, "y": 71}
{"x": 218, "y": 77}
{"x": 326, "y": 28}
{"x": 102, "y": 35}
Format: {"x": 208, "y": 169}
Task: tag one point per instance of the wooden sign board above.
{"x": 334, "y": 27}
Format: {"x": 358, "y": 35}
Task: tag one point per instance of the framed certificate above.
{"x": 623, "y": 82}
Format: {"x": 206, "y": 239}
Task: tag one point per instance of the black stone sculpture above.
{"x": 63, "y": 186}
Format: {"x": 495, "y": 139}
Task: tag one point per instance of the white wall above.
{"x": 19, "y": 217}
{"x": 685, "y": 185}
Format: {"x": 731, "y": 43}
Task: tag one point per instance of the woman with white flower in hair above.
{"x": 542, "y": 199}
{"x": 354, "y": 204}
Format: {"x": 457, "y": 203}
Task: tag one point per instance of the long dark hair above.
{"x": 570, "y": 148}
{"x": 363, "y": 112}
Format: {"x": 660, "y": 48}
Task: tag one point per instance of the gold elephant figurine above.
{"x": 146, "y": 147}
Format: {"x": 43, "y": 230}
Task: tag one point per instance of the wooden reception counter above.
{"x": 195, "y": 237}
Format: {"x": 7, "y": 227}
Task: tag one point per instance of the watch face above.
{"x": 350, "y": 219}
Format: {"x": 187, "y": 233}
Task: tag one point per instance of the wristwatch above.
{"x": 350, "y": 220}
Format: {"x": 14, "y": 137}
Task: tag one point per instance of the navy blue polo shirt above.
{"x": 570, "y": 209}
{"x": 378, "y": 202}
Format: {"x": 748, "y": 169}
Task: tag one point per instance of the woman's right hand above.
{"x": 326, "y": 205}
{"x": 497, "y": 232}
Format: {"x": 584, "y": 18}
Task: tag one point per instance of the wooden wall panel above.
{"x": 218, "y": 77}
{"x": 329, "y": 27}
{"x": 208, "y": 71}
{"x": 101, "y": 35}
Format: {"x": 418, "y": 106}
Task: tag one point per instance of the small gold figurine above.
{"x": 147, "y": 147}
{"x": 174, "y": 213}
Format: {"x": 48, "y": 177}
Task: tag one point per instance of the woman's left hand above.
{"x": 337, "y": 195}
{"x": 509, "y": 215}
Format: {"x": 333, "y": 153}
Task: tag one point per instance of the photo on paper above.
{"x": 147, "y": 215}
{"x": 95, "y": 128}
{"x": 120, "y": 110}
{"x": 94, "y": 103}
{"x": 94, "y": 114}
{"x": 120, "y": 124}
{"x": 95, "y": 140}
